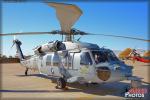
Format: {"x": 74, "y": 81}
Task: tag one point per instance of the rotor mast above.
{"x": 68, "y": 37}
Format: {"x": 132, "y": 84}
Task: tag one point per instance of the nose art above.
{"x": 103, "y": 73}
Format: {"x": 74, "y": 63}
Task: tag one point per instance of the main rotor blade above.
{"x": 119, "y": 36}
{"x": 78, "y": 32}
{"x": 67, "y": 15}
{"x": 75, "y": 33}
{"x": 26, "y": 33}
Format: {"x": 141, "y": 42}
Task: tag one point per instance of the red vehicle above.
{"x": 135, "y": 56}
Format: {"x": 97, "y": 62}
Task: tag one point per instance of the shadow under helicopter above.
{"x": 114, "y": 89}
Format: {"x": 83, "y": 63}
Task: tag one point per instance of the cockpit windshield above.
{"x": 104, "y": 56}
{"x": 112, "y": 56}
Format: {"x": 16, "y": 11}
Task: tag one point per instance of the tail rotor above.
{"x": 13, "y": 41}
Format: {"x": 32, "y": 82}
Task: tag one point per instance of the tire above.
{"x": 61, "y": 83}
{"x": 26, "y": 72}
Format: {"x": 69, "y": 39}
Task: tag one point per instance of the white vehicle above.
{"x": 72, "y": 61}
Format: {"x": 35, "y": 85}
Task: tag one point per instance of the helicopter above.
{"x": 72, "y": 61}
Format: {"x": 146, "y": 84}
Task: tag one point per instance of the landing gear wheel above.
{"x": 26, "y": 71}
{"x": 127, "y": 88}
{"x": 61, "y": 83}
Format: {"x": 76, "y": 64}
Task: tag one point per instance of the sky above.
{"x": 114, "y": 18}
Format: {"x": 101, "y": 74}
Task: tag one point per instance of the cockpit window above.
{"x": 103, "y": 56}
{"x": 112, "y": 56}
{"x": 99, "y": 56}
{"x": 85, "y": 59}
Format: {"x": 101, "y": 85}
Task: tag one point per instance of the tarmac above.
{"x": 15, "y": 85}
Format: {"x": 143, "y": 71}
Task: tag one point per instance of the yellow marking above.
{"x": 84, "y": 69}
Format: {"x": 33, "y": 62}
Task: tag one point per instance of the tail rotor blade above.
{"x": 13, "y": 41}
{"x": 13, "y": 44}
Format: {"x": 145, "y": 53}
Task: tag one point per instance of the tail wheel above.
{"x": 26, "y": 71}
{"x": 61, "y": 83}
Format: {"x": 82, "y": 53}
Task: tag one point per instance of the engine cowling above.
{"x": 50, "y": 47}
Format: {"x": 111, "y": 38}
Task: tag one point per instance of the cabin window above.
{"x": 70, "y": 61}
{"x": 85, "y": 59}
{"x": 56, "y": 64}
{"x": 67, "y": 61}
{"x": 35, "y": 62}
{"x": 48, "y": 60}
{"x": 56, "y": 60}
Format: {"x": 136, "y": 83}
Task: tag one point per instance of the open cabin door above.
{"x": 72, "y": 63}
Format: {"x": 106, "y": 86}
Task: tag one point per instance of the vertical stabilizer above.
{"x": 19, "y": 51}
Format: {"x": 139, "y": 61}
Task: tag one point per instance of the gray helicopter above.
{"x": 72, "y": 61}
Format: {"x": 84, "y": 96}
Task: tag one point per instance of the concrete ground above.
{"x": 14, "y": 85}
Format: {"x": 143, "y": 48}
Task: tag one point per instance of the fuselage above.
{"x": 78, "y": 62}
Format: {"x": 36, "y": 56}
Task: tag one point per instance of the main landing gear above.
{"x": 61, "y": 83}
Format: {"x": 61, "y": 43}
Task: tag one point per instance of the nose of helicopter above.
{"x": 103, "y": 73}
